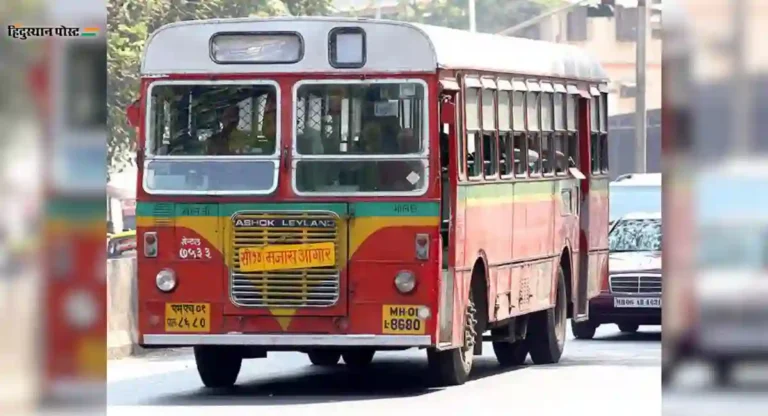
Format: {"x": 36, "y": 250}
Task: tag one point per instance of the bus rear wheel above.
{"x": 324, "y": 358}
{"x": 510, "y": 354}
{"x": 546, "y": 330}
{"x": 358, "y": 358}
{"x": 452, "y": 367}
{"x": 218, "y": 367}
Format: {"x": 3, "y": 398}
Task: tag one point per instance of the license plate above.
{"x": 637, "y": 302}
{"x": 187, "y": 317}
{"x": 286, "y": 257}
{"x": 401, "y": 320}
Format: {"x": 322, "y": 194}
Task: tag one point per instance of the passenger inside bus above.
{"x": 233, "y": 141}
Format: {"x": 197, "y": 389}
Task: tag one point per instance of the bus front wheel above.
{"x": 452, "y": 367}
{"x": 218, "y": 367}
{"x": 324, "y": 358}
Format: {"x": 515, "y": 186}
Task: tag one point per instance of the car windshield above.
{"x": 360, "y": 137}
{"x": 627, "y": 199}
{"x": 635, "y": 235}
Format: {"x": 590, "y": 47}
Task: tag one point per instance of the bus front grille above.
{"x": 298, "y": 288}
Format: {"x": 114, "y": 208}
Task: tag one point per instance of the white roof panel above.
{"x": 183, "y": 47}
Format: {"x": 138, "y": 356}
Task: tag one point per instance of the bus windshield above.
{"x": 360, "y": 136}
{"x": 207, "y": 136}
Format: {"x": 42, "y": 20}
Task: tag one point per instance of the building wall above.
{"x": 617, "y": 57}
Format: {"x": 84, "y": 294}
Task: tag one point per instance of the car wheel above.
{"x": 629, "y": 328}
{"x": 583, "y": 330}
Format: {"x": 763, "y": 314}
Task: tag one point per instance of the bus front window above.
{"x": 361, "y": 137}
{"x": 219, "y": 137}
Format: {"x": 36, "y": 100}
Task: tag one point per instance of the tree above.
{"x": 129, "y": 24}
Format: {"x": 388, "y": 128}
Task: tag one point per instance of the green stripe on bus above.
{"x": 361, "y": 209}
{"x": 76, "y": 209}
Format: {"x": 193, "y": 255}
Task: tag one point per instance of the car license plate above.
{"x": 401, "y": 320}
{"x": 287, "y": 257}
{"x": 187, "y": 317}
{"x": 637, "y": 302}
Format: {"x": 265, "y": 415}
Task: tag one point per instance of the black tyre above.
{"x": 583, "y": 330}
{"x": 452, "y": 367}
{"x": 629, "y": 328}
{"x": 723, "y": 373}
{"x": 324, "y": 358}
{"x": 218, "y": 367}
{"x": 358, "y": 358}
{"x": 546, "y": 329}
{"x": 510, "y": 354}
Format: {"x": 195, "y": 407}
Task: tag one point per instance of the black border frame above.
{"x": 257, "y": 33}
{"x": 332, "y": 41}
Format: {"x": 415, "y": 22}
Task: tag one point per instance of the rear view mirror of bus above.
{"x": 132, "y": 114}
{"x": 447, "y": 113}
{"x": 577, "y": 173}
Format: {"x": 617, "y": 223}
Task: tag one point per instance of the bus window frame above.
{"x": 275, "y": 158}
{"x": 489, "y": 85}
{"x": 596, "y": 143}
{"x": 533, "y": 89}
{"x": 149, "y": 140}
{"x": 473, "y": 82}
{"x": 519, "y": 86}
{"x": 423, "y": 156}
{"x": 505, "y": 87}
{"x": 547, "y": 132}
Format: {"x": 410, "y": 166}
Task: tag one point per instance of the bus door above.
{"x": 452, "y": 250}
{"x": 583, "y": 174}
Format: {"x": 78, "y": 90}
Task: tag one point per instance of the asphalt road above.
{"x": 598, "y": 377}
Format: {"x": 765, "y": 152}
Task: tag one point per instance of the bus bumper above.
{"x": 288, "y": 340}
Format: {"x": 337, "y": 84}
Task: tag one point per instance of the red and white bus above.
{"x": 343, "y": 186}
{"x": 69, "y": 85}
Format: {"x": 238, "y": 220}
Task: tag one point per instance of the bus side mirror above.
{"x": 448, "y": 113}
{"x": 132, "y": 114}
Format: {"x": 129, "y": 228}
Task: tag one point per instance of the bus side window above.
{"x": 547, "y": 153}
{"x": 595, "y": 135}
{"x": 505, "y": 137}
{"x": 490, "y": 144}
{"x": 571, "y": 126}
{"x": 604, "y": 132}
{"x": 533, "y": 108}
{"x": 520, "y": 146}
{"x": 474, "y": 142}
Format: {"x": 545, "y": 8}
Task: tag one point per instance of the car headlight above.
{"x": 405, "y": 281}
{"x": 166, "y": 280}
{"x": 80, "y": 309}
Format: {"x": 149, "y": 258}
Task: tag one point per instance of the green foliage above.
{"x": 130, "y": 22}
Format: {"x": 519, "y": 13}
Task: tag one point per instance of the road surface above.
{"x": 613, "y": 374}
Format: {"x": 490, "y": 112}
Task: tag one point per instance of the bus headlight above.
{"x": 166, "y": 280}
{"x": 80, "y": 309}
{"x": 405, "y": 281}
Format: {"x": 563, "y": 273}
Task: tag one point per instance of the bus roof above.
{"x": 184, "y": 47}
